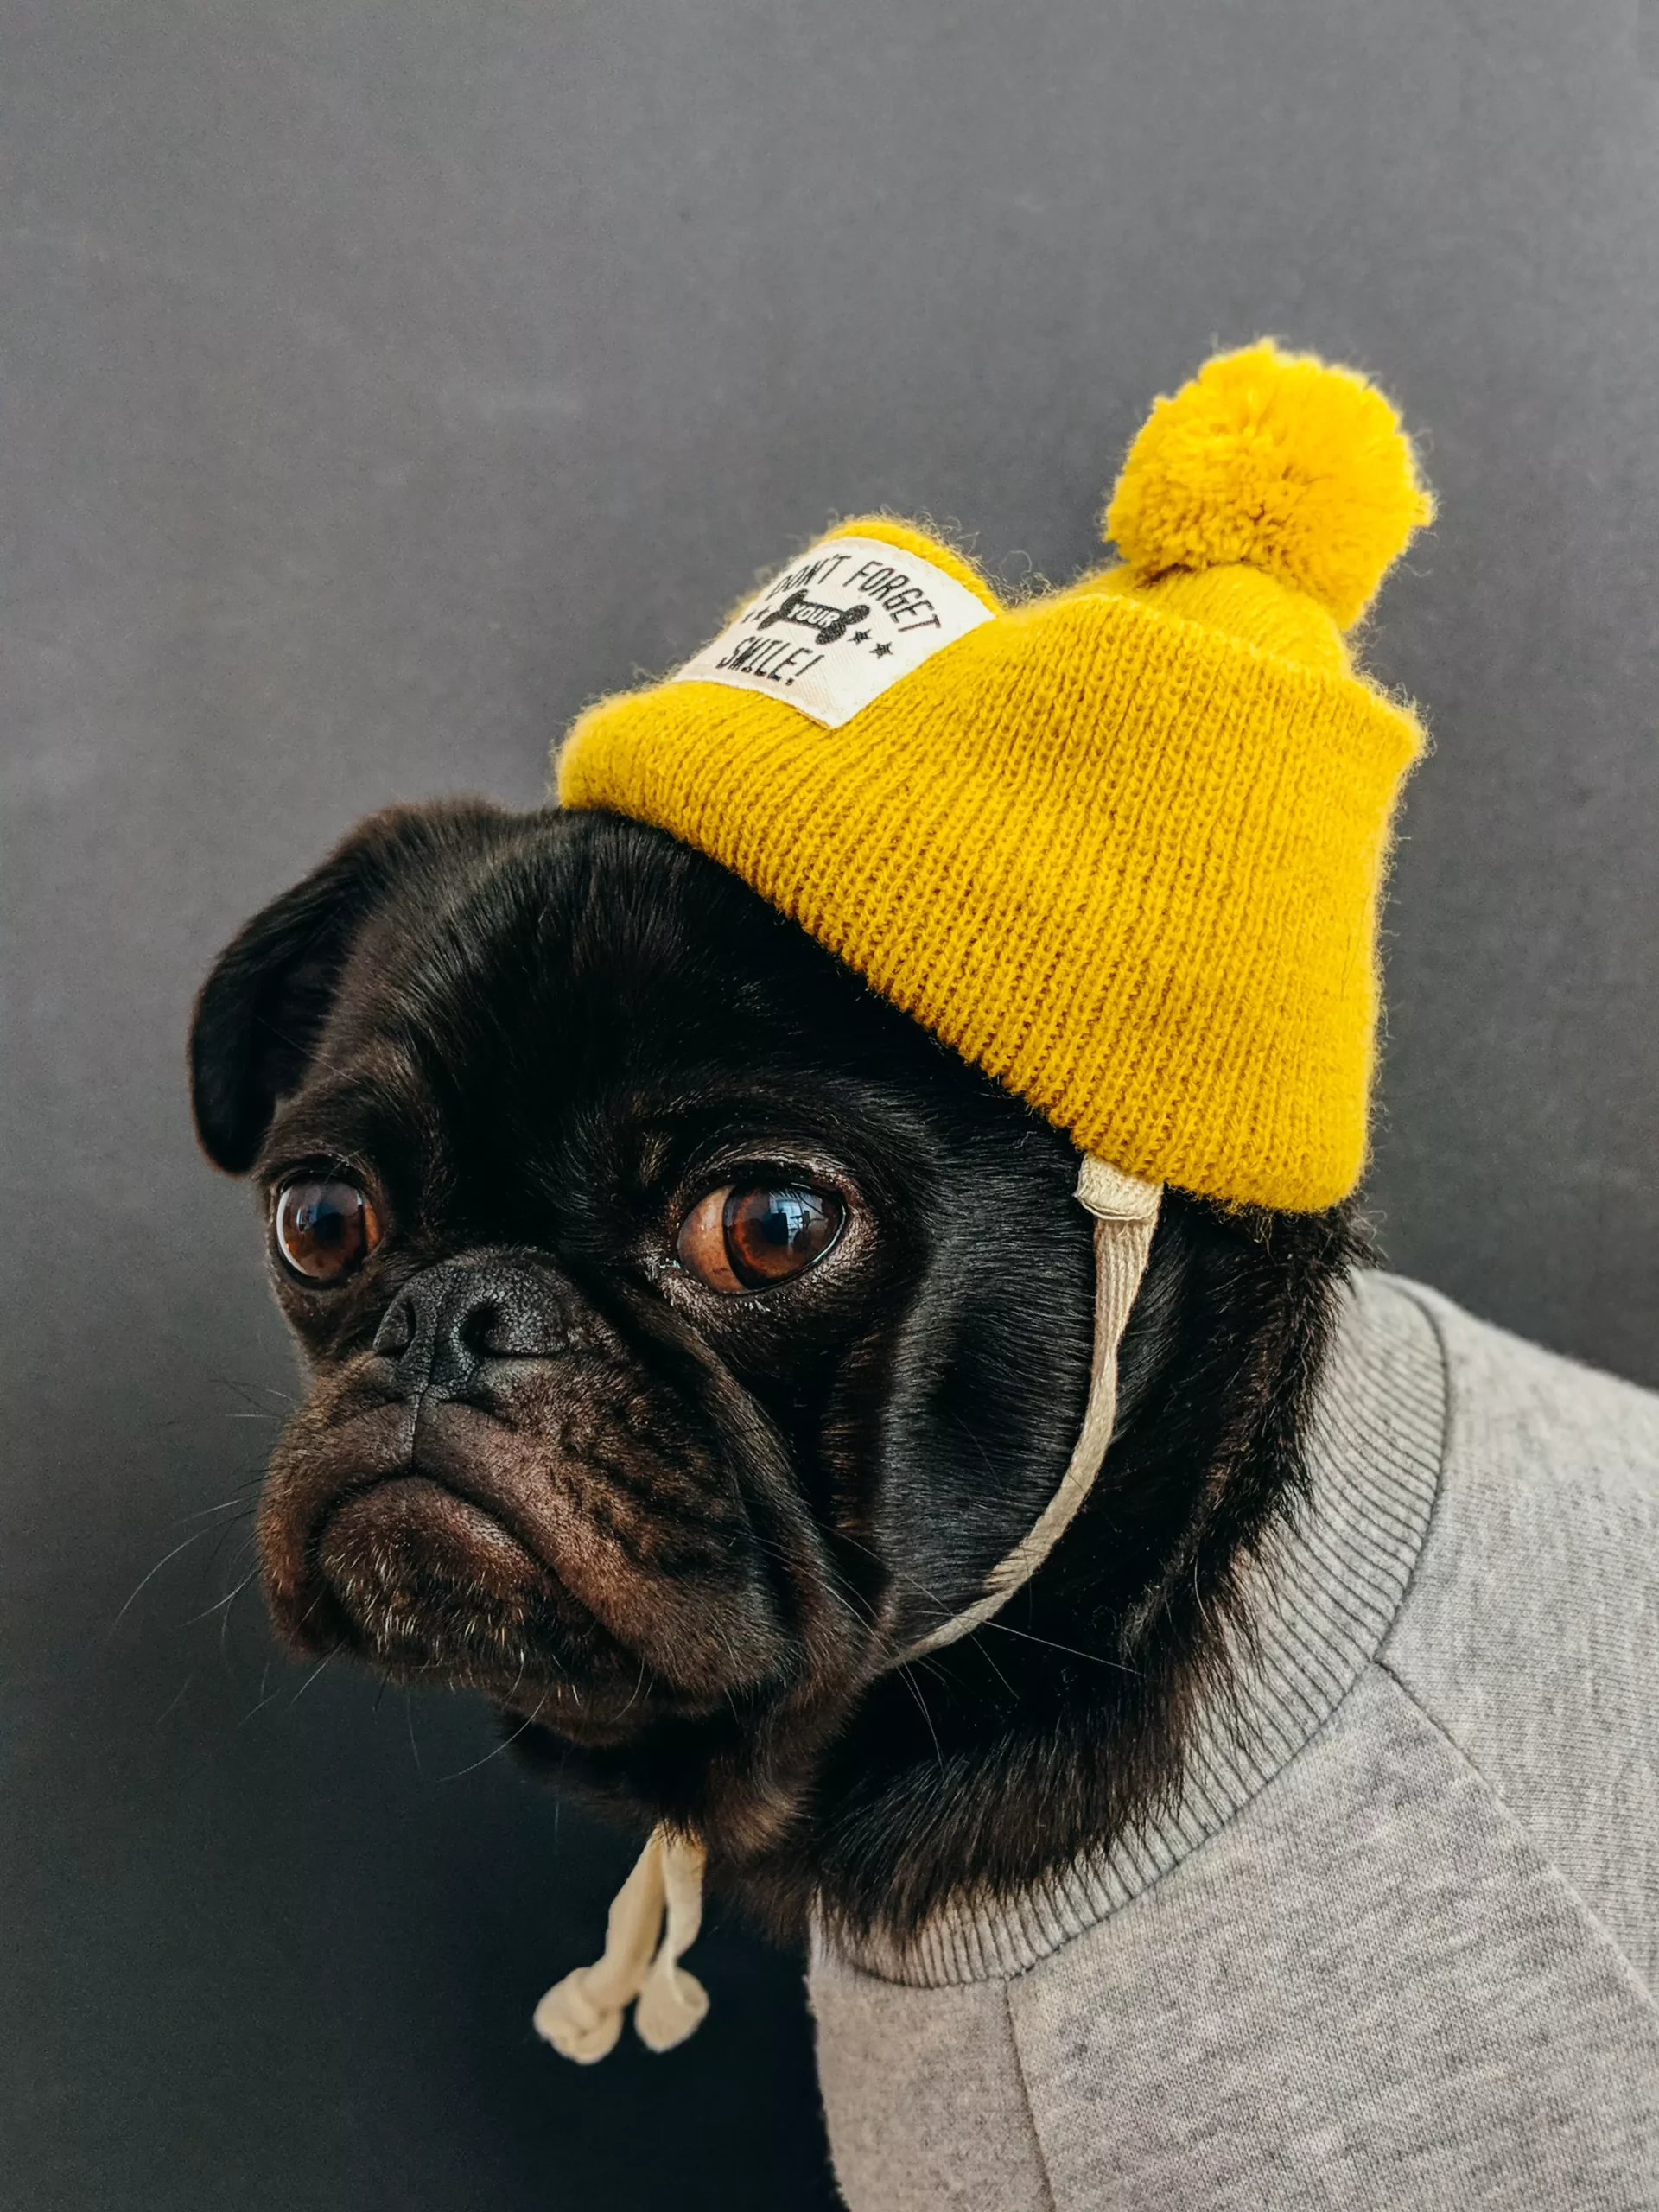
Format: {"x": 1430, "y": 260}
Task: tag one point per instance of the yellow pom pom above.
{"x": 1279, "y": 462}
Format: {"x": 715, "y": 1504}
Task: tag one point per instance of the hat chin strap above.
{"x": 655, "y": 1915}
{"x": 1126, "y": 1213}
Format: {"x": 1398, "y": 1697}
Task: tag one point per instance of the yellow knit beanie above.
{"x": 1122, "y": 846}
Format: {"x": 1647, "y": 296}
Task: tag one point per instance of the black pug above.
{"x": 689, "y": 1333}
{"x": 695, "y": 1341}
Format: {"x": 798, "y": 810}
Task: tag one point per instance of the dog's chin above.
{"x": 426, "y": 1587}
{"x": 426, "y": 1583}
{"x": 449, "y": 1553}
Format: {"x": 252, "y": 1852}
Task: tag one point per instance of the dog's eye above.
{"x": 746, "y": 1236}
{"x": 324, "y": 1228}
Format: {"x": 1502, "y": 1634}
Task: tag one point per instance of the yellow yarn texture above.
{"x": 1122, "y": 846}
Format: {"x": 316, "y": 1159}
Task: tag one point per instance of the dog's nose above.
{"x": 443, "y": 1327}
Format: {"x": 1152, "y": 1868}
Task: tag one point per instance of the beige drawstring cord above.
{"x": 655, "y": 1915}
{"x": 1126, "y": 1213}
{"x": 581, "y": 2016}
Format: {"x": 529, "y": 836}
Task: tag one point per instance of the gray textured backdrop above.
{"x": 382, "y": 378}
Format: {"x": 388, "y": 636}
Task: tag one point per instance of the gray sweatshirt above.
{"x": 1397, "y": 1944}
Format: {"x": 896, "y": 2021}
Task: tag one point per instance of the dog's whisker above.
{"x": 226, "y": 1531}
{"x": 309, "y": 1679}
{"x": 196, "y": 1538}
{"x": 1025, "y": 1636}
{"x": 857, "y": 1608}
{"x": 408, "y": 1723}
{"x": 227, "y": 1382}
{"x": 225, "y": 1505}
{"x": 906, "y": 1676}
{"x": 506, "y": 1744}
{"x": 174, "y": 1701}
{"x": 1071, "y": 1651}
{"x": 220, "y": 1604}
{"x": 266, "y": 1697}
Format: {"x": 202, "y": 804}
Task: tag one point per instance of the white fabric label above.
{"x": 838, "y": 628}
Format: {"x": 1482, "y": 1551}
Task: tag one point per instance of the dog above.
{"x": 832, "y": 1293}
{"x": 689, "y": 1333}
{"x": 488, "y": 1072}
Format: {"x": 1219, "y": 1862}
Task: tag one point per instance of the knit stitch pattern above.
{"x": 1122, "y": 847}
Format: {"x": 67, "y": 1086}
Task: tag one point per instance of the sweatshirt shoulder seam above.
{"x": 1581, "y": 1904}
{"x": 1040, "y": 2155}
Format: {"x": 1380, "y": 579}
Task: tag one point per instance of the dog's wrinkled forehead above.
{"x": 512, "y": 1015}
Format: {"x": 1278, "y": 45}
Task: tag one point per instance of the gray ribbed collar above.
{"x": 1323, "y": 1599}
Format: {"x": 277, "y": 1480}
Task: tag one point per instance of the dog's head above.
{"x": 687, "y": 1331}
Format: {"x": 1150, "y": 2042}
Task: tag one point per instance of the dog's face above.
{"x": 687, "y": 1332}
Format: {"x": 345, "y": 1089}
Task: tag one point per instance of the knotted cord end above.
{"x": 671, "y": 2007}
{"x": 576, "y": 2026}
{"x": 654, "y": 1920}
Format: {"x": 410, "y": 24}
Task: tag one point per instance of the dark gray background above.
{"x": 382, "y": 379}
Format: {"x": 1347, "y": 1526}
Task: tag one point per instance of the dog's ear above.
{"x": 260, "y": 1012}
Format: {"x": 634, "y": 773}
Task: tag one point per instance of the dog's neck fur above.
{"x": 1046, "y": 1733}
